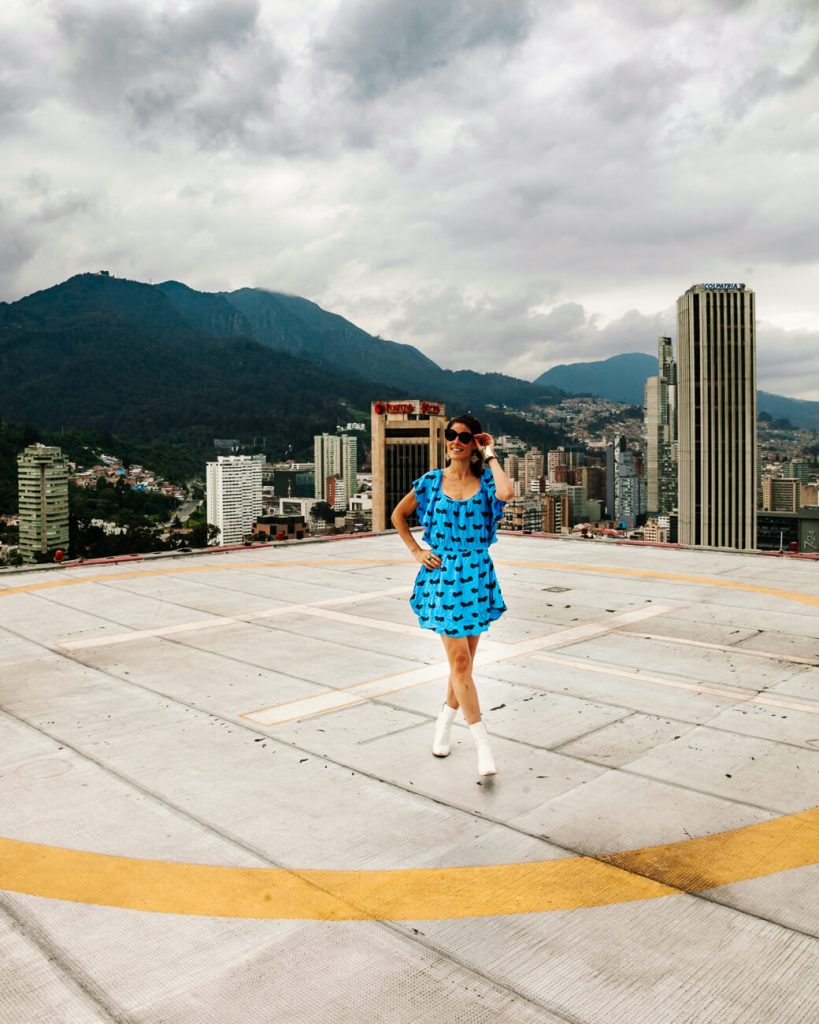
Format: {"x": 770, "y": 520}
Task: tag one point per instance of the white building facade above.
{"x": 234, "y": 496}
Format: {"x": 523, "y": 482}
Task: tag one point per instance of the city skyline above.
{"x": 503, "y": 186}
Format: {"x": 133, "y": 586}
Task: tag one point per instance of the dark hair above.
{"x": 474, "y": 428}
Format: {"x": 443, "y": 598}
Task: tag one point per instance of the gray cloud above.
{"x": 487, "y": 181}
{"x": 379, "y": 44}
{"x": 207, "y": 68}
{"x": 639, "y": 88}
{"x": 16, "y": 245}
{"x": 516, "y": 335}
{"x": 788, "y": 361}
{"x": 769, "y": 82}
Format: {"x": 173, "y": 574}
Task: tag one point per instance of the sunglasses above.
{"x": 463, "y": 436}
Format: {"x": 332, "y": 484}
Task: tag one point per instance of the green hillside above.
{"x": 115, "y": 358}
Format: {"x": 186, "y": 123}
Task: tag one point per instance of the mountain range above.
{"x": 173, "y": 367}
{"x": 165, "y": 363}
{"x": 622, "y": 379}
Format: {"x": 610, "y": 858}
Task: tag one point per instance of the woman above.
{"x": 456, "y": 592}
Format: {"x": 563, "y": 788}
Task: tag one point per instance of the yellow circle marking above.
{"x": 569, "y": 883}
{"x": 675, "y": 577}
{"x": 693, "y": 865}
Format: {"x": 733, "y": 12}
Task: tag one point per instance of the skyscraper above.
{"x": 532, "y": 468}
{"x": 511, "y": 466}
{"x": 570, "y": 458}
{"x": 349, "y": 463}
{"x": 661, "y": 432}
{"x": 335, "y": 456}
{"x": 43, "y": 494}
{"x": 626, "y": 484}
{"x": 716, "y": 399}
{"x": 407, "y": 441}
{"x": 234, "y": 496}
{"x": 327, "y": 458}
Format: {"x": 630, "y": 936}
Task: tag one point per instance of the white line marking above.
{"x": 813, "y": 662}
{"x": 218, "y": 621}
{"x": 387, "y": 626}
{"x": 737, "y": 695}
{"x": 321, "y": 703}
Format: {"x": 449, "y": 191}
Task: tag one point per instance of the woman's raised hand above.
{"x": 484, "y": 441}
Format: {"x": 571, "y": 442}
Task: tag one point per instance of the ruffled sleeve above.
{"x": 423, "y": 491}
{"x": 496, "y": 506}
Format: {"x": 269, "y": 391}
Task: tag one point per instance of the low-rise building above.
{"x": 280, "y": 527}
{"x": 522, "y": 515}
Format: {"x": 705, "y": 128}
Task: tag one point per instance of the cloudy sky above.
{"x": 505, "y": 184}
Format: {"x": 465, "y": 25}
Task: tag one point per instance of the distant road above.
{"x": 186, "y": 509}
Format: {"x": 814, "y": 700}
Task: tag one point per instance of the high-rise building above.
{"x": 407, "y": 441}
{"x": 564, "y": 458}
{"x": 335, "y": 456}
{"x": 799, "y": 468}
{"x": 234, "y": 496}
{"x": 716, "y": 408}
{"x": 781, "y": 494}
{"x": 576, "y": 498}
{"x": 511, "y": 466}
{"x": 43, "y": 494}
{"x": 532, "y": 469}
{"x": 626, "y": 485}
{"x": 554, "y": 513}
{"x": 327, "y": 457}
{"x": 593, "y": 478}
{"x": 349, "y": 464}
{"x": 661, "y": 432}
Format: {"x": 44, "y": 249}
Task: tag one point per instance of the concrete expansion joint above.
{"x": 243, "y": 724}
{"x": 628, "y": 862}
{"x": 73, "y": 973}
{"x": 337, "y": 763}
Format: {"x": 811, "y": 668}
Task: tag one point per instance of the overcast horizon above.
{"x": 507, "y": 186}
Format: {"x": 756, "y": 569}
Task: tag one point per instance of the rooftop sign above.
{"x": 723, "y": 287}
{"x": 413, "y": 406}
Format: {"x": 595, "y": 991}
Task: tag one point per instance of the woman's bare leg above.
{"x": 461, "y": 684}
{"x": 451, "y": 699}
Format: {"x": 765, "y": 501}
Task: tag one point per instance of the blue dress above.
{"x": 463, "y": 596}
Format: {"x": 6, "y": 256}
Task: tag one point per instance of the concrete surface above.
{"x": 218, "y": 801}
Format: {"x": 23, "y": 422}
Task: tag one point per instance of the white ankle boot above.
{"x": 486, "y": 762}
{"x": 443, "y": 731}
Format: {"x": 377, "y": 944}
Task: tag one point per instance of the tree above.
{"x": 323, "y": 512}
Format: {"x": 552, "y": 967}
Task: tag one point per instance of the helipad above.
{"x": 218, "y": 801}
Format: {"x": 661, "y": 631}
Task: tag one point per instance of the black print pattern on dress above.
{"x": 459, "y": 532}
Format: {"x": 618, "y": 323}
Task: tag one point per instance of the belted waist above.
{"x": 470, "y": 550}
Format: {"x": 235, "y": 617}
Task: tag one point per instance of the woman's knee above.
{"x": 461, "y": 660}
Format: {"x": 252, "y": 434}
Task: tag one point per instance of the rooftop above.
{"x": 218, "y": 801}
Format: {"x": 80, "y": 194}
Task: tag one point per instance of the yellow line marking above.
{"x": 674, "y": 577}
{"x": 568, "y": 883}
{"x": 76, "y": 581}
